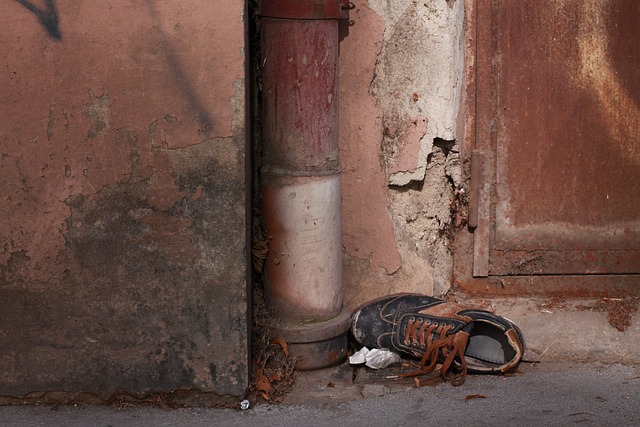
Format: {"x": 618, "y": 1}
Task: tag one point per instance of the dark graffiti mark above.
{"x": 48, "y": 16}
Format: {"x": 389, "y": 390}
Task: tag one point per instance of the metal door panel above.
{"x": 558, "y": 119}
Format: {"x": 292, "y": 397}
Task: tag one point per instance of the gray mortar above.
{"x": 422, "y": 54}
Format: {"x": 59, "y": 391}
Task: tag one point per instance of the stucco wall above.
{"x": 122, "y": 214}
{"x": 401, "y": 80}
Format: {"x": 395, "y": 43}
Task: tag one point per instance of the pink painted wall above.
{"x": 400, "y": 83}
{"x": 122, "y": 227}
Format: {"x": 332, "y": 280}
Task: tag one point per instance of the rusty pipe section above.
{"x": 301, "y": 176}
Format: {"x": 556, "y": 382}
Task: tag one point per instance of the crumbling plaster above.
{"x": 401, "y": 80}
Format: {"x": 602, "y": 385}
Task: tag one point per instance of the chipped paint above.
{"x": 401, "y": 79}
{"x": 97, "y": 112}
{"x": 405, "y": 142}
{"x": 418, "y": 75}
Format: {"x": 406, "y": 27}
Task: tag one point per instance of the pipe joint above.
{"x": 277, "y": 171}
{"x": 305, "y": 9}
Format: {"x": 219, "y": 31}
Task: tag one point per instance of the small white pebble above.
{"x": 244, "y": 405}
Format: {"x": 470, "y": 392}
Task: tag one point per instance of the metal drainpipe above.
{"x": 301, "y": 177}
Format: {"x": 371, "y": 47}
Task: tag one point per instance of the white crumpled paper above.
{"x": 376, "y": 358}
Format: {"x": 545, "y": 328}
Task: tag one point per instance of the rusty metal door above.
{"x": 556, "y": 160}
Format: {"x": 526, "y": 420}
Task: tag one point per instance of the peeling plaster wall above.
{"x": 401, "y": 78}
{"x": 122, "y": 215}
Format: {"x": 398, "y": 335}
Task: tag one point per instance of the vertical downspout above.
{"x": 301, "y": 177}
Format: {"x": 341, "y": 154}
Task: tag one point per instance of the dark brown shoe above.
{"x": 459, "y": 338}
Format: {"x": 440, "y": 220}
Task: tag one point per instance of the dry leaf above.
{"x": 475, "y": 396}
{"x": 262, "y": 383}
{"x": 277, "y": 376}
{"x": 281, "y": 343}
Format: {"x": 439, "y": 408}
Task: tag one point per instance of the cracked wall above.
{"x": 122, "y": 222}
{"x": 401, "y": 78}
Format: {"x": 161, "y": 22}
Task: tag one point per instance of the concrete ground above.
{"x": 600, "y": 330}
{"x": 546, "y": 393}
{"x": 551, "y": 387}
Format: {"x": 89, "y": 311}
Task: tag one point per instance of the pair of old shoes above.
{"x": 444, "y": 335}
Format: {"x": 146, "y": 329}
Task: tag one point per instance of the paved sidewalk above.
{"x": 548, "y": 394}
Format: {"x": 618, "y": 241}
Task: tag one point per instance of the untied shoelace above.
{"x": 450, "y": 348}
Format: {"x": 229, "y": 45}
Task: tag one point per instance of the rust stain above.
{"x": 553, "y": 287}
{"x": 565, "y": 138}
{"x": 620, "y": 311}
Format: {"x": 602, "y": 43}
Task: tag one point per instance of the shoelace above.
{"x": 449, "y": 347}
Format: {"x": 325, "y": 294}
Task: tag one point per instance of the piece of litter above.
{"x": 379, "y": 358}
{"x": 359, "y": 357}
{"x": 376, "y": 358}
{"x": 244, "y": 405}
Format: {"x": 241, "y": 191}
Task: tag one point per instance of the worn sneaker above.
{"x": 460, "y": 338}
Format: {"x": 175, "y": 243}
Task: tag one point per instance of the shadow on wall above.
{"x": 48, "y": 17}
{"x": 181, "y": 80}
